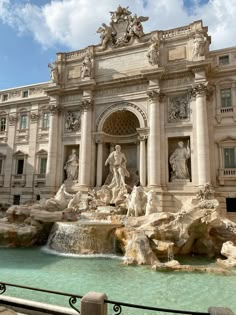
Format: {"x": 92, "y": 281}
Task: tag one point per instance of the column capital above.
{"x": 155, "y": 94}
{"x": 86, "y": 104}
{"x": 200, "y": 89}
{"x": 54, "y": 109}
{"x": 143, "y": 133}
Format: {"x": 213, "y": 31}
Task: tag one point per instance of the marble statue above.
{"x": 153, "y": 53}
{"x": 135, "y": 27}
{"x": 122, "y": 30}
{"x": 71, "y": 167}
{"x": 199, "y": 44}
{"x": 178, "y": 162}
{"x": 60, "y": 201}
{"x": 74, "y": 203}
{"x": 152, "y": 202}
{"x": 106, "y": 32}
{"x": 206, "y": 193}
{"x": 87, "y": 67}
{"x": 117, "y": 162}
{"x": 54, "y": 72}
{"x": 136, "y": 202}
{"x": 104, "y": 195}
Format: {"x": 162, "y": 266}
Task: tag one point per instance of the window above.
{"x": 224, "y": 60}
{"x": 225, "y": 95}
{"x": 25, "y": 94}
{"x": 231, "y": 204}
{"x": 16, "y": 199}
{"x": 230, "y": 157}
{"x": 5, "y": 97}
{"x": 43, "y": 165}
{"x": 46, "y": 120}
{"x": 3, "y": 121}
{"x": 20, "y": 166}
{"x": 23, "y": 121}
{"x": 1, "y": 166}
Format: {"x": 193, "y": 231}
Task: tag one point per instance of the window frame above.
{"x": 223, "y": 58}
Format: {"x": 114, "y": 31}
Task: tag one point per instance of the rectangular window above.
{"x": 231, "y": 204}
{"x": 225, "y": 98}
{"x": 224, "y": 60}
{"x": 16, "y": 199}
{"x": 230, "y": 157}
{"x": 20, "y": 166}
{"x": 3, "y": 121}
{"x": 1, "y": 166}
{"x": 43, "y": 165}
{"x": 5, "y": 97}
{"x": 46, "y": 120}
{"x": 23, "y": 121}
{"x": 25, "y": 94}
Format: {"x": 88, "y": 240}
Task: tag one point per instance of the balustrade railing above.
{"x": 73, "y": 299}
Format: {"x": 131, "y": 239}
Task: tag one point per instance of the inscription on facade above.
{"x": 177, "y": 53}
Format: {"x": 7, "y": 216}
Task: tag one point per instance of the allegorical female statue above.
{"x": 178, "y": 162}
{"x": 72, "y": 166}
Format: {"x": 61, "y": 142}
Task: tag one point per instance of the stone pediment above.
{"x": 19, "y": 152}
{"x": 123, "y": 29}
{"x": 227, "y": 140}
{"x": 42, "y": 152}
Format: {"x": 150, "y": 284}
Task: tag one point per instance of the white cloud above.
{"x": 73, "y": 23}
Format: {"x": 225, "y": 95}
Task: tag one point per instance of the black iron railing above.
{"x": 73, "y": 299}
{"x": 117, "y": 308}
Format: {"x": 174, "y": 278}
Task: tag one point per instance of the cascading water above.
{"x": 89, "y": 237}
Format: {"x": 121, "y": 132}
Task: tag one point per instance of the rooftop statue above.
{"x": 122, "y": 29}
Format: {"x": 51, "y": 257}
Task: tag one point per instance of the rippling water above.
{"x": 138, "y": 285}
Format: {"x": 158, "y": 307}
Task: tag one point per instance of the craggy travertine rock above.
{"x": 196, "y": 230}
{"x": 6, "y": 311}
{"x": 228, "y": 250}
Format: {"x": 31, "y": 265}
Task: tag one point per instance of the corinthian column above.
{"x": 201, "y": 130}
{"x": 154, "y": 141}
{"x": 51, "y": 172}
{"x": 85, "y": 162}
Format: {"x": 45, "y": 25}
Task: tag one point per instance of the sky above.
{"x": 33, "y": 31}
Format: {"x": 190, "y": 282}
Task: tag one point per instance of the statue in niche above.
{"x": 117, "y": 162}
{"x": 72, "y": 166}
{"x": 72, "y": 121}
{"x": 87, "y": 66}
{"x": 178, "y": 162}
{"x": 153, "y": 52}
{"x": 199, "y": 44}
{"x": 54, "y": 72}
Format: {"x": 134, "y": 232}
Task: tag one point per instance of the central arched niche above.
{"x": 121, "y": 123}
{"x": 121, "y": 128}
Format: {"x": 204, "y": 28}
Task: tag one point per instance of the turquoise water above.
{"x": 139, "y": 285}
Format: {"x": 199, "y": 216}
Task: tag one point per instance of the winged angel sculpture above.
{"x": 122, "y": 30}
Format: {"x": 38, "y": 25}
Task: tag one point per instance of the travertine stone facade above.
{"x": 166, "y": 98}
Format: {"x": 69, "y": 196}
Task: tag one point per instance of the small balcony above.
{"x": 226, "y": 174}
{"x": 18, "y": 180}
{"x": 39, "y": 179}
{"x": 226, "y": 112}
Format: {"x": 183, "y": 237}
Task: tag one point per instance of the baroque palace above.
{"x": 164, "y": 97}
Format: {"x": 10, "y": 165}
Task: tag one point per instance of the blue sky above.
{"x": 33, "y": 31}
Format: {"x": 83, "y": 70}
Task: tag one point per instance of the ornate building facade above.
{"x": 164, "y": 97}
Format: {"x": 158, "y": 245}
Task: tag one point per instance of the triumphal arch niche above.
{"x": 124, "y": 124}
